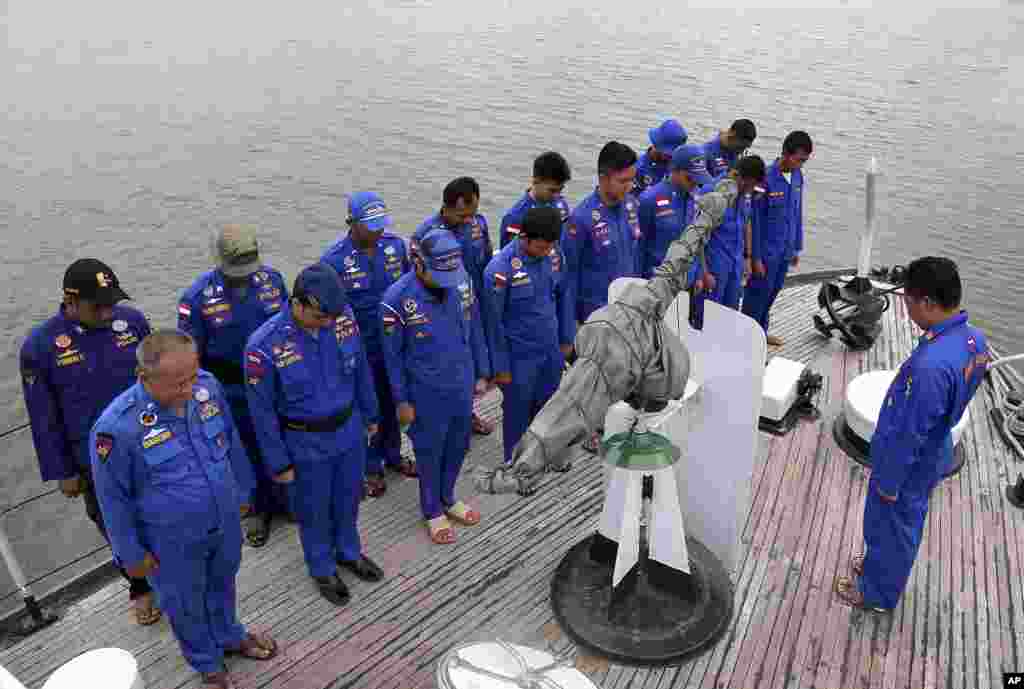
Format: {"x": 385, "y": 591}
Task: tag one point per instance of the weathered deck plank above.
{"x": 960, "y": 624}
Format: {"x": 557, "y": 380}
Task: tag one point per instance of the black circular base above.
{"x": 657, "y": 614}
{"x": 859, "y": 450}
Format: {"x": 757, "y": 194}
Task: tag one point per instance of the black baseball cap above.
{"x": 93, "y": 280}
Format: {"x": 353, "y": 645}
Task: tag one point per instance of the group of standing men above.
{"x": 265, "y": 402}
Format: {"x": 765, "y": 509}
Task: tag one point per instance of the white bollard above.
{"x": 110, "y": 668}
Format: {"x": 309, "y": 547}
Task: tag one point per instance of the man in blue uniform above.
{"x": 912, "y": 447}
{"x": 369, "y": 260}
{"x": 654, "y": 163}
{"x": 601, "y": 241}
{"x": 727, "y": 252}
{"x": 72, "y": 366}
{"x": 458, "y": 215}
{"x": 434, "y": 349}
{"x": 667, "y": 208}
{"x": 312, "y": 397}
{"x": 550, "y": 175}
{"x": 778, "y": 229}
{"x": 727, "y": 146}
{"x": 221, "y": 309}
{"x": 172, "y": 478}
{"x": 530, "y": 325}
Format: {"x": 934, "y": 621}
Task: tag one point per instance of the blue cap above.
{"x": 323, "y": 283}
{"x": 691, "y": 160}
{"x": 442, "y": 254}
{"x": 368, "y": 208}
{"x": 668, "y": 137}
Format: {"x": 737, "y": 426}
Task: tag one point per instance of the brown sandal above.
{"x": 258, "y": 646}
{"x": 406, "y": 467}
{"x": 376, "y": 486}
{"x": 441, "y": 531}
{"x": 146, "y": 615}
{"x": 849, "y": 595}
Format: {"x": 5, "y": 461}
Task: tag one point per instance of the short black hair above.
{"x": 934, "y": 277}
{"x": 751, "y": 167}
{"x": 614, "y": 157}
{"x": 797, "y": 140}
{"x": 464, "y": 188}
{"x": 542, "y": 222}
{"x": 551, "y": 166}
{"x": 744, "y": 129}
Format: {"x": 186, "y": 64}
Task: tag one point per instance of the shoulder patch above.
{"x": 104, "y": 445}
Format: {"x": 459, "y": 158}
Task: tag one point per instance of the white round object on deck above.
{"x": 864, "y": 398}
{"x": 110, "y": 668}
{"x": 9, "y": 681}
{"x": 501, "y": 665}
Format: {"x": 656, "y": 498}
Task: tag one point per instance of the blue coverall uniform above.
{"x": 221, "y": 322}
{"x": 778, "y": 236}
{"x": 528, "y": 318}
{"x": 600, "y": 245}
{"x": 173, "y": 486}
{"x": 719, "y": 158}
{"x": 435, "y": 352}
{"x": 649, "y": 172}
{"x": 365, "y": 280}
{"x": 665, "y": 211}
{"x": 912, "y": 448}
{"x": 70, "y": 374}
{"x": 295, "y": 380}
{"x": 474, "y": 238}
{"x": 724, "y": 253}
{"x": 512, "y": 221}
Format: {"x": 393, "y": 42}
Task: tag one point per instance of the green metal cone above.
{"x": 640, "y": 451}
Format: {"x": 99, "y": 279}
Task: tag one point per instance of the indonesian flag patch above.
{"x": 185, "y": 310}
{"x": 104, "y": 444}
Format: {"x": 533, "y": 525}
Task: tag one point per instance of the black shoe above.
{"x": 364, "y": 568}
{"x": 333, "y": 589}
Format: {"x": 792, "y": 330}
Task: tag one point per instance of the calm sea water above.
{"x": 129, "y": 128}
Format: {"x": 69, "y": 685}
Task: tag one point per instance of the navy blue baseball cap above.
{"x": 322, "y": 283}
{"x": 691, "y": 160}
{"x": 368, "y": 208}
{"x": 667, "y": 137}
{"x": 442, "y": 255}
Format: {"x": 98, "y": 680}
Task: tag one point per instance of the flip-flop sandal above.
{"x": 857, "y": 565}
{"x": 441, "y": 531}
{"x": 592, "y": 444}
{"x": 463, "y": 514}
{"x": 376, "y": 486}
{"x": 258, "y": 646}
{"x": 407, "y": 468}
{"x": 849, "y": 595}
{"x": 146, "y": 616}
{"x": 257, "y": 530}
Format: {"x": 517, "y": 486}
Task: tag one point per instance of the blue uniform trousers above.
{"x": 728, "y": 272}
{"x": 329, "y": 472}
{"x": 892, "y": 534}
{"x": 762, "y": 291}
{"x": 440, "y": 437}
{"x": 387, "y": 445}
{"x": 195, "y": 582}
{"x": 269, "y": 497}
{"x": 535, "y": 377}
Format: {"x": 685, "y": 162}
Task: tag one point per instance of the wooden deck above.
{"x": 960, "y": 624}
